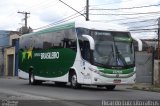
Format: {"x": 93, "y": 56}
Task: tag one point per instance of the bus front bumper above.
{"x": 101, "y": 80}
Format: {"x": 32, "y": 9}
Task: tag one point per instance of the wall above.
{"x": 156, "y": 72}
{"x": 4, "y": 38}
{"x": 144, "y": 67}
{"x": 4, "y": 41}
{"x": 13, "y": 36}
{"x": 9, "y": 51}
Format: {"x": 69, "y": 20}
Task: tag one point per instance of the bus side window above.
{"x": 69, "y": 39}
{"x": 73, "y": 45}
{"x": 85, "y": 50}
{"x": 57, "y": 39}
{"x": 37, "y": 42}
{"x": 81, "y": 48}
{"x": 47, "y": 45}
{"x": 47, "y": 41}
{"x": 21, "y": 42}
{"x": 26, "y": 42}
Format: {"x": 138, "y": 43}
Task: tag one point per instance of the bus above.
{"x": 78, "y": 53}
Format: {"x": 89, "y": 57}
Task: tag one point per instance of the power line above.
{"x": 144, "y": 29}
{"x": 25, "y": 18}
{"x": 157, "y": 12}
{"x": 60, "y": 21}
{"x": 64, "y": 20}
{"x": 72, "y": 8}
{"x": 49, "y": 25}
{"x": 138, "y": 21}
{"x": 111, "y": 3}
{"x": 143, "y": 26}
{"x": 127, "y": 7}
{"x": 67, "y": 17}
{"x": 123, "y": 19}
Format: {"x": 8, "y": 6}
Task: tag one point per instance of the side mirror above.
{"x": 91, "y": 41}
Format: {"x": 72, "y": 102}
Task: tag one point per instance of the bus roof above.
{"x": 82, "y": 24}
{"x": 100, "y": 26}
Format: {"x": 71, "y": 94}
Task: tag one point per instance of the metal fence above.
{"x": 144, "y": 66}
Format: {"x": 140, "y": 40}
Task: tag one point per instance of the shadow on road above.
{"x": 84, "y": 87}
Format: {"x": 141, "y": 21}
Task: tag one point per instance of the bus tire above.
{"x": 74, "y": 83}
{"x": 32, "y": 80}
{"x": 110, "y": 87}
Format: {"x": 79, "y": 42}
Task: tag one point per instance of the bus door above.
{"x": 85, "y": 53}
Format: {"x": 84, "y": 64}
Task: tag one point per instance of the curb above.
{"x": 9, "y": 77}
{"x": 145, "y": 87}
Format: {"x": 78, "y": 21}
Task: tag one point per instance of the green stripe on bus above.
{"x": 49, "y": 65}
{"x": 115, "y": 71}
{"x": 53, "y": 29}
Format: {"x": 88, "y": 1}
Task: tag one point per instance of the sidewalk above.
{"x": 9, "y": 77}
{"x": 145, "y": 87}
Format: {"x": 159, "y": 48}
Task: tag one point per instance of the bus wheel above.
{"x": 74, "y": 83}
{"x": 31, "y": 78}
{"x": 110, "y": 87}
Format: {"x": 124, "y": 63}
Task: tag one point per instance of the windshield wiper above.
{"x": 119, "y": 56}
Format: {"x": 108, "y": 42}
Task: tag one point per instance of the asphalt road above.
{"x": 52, "y": 95}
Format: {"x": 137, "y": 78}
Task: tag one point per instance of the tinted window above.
{"x": 83, "y": 43}
{"x": 25, "y": 42}
{"x": 61, "y": 39}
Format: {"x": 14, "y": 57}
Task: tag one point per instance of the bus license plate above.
{"x": 117, "y": 81}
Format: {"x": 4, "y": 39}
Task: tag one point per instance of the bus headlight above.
{"x": 96, "y": 71}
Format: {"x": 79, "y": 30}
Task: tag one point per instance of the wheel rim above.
{"x": 32, "y": 79}
{"x": 74, "y": 80}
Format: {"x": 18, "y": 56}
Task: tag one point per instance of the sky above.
{"x": 45, "y": 12}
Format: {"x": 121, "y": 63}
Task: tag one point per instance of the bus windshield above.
{"x": 113, "y": 49}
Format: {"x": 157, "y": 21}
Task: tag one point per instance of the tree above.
{"x": 25, "y": 30}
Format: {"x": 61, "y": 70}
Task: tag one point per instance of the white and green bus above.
{"x": 82, "y": 53}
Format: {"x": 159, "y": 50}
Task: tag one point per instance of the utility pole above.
{"x": 87, "y": 10}
{"x": 158, "y": 50}
{"x": 25, "y": 18}
{"x": 72, "y": 8}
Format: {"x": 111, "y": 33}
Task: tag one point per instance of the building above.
{"x": 9, "y": 41}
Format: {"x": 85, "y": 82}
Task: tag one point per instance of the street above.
{"x": 19, "y": 89}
